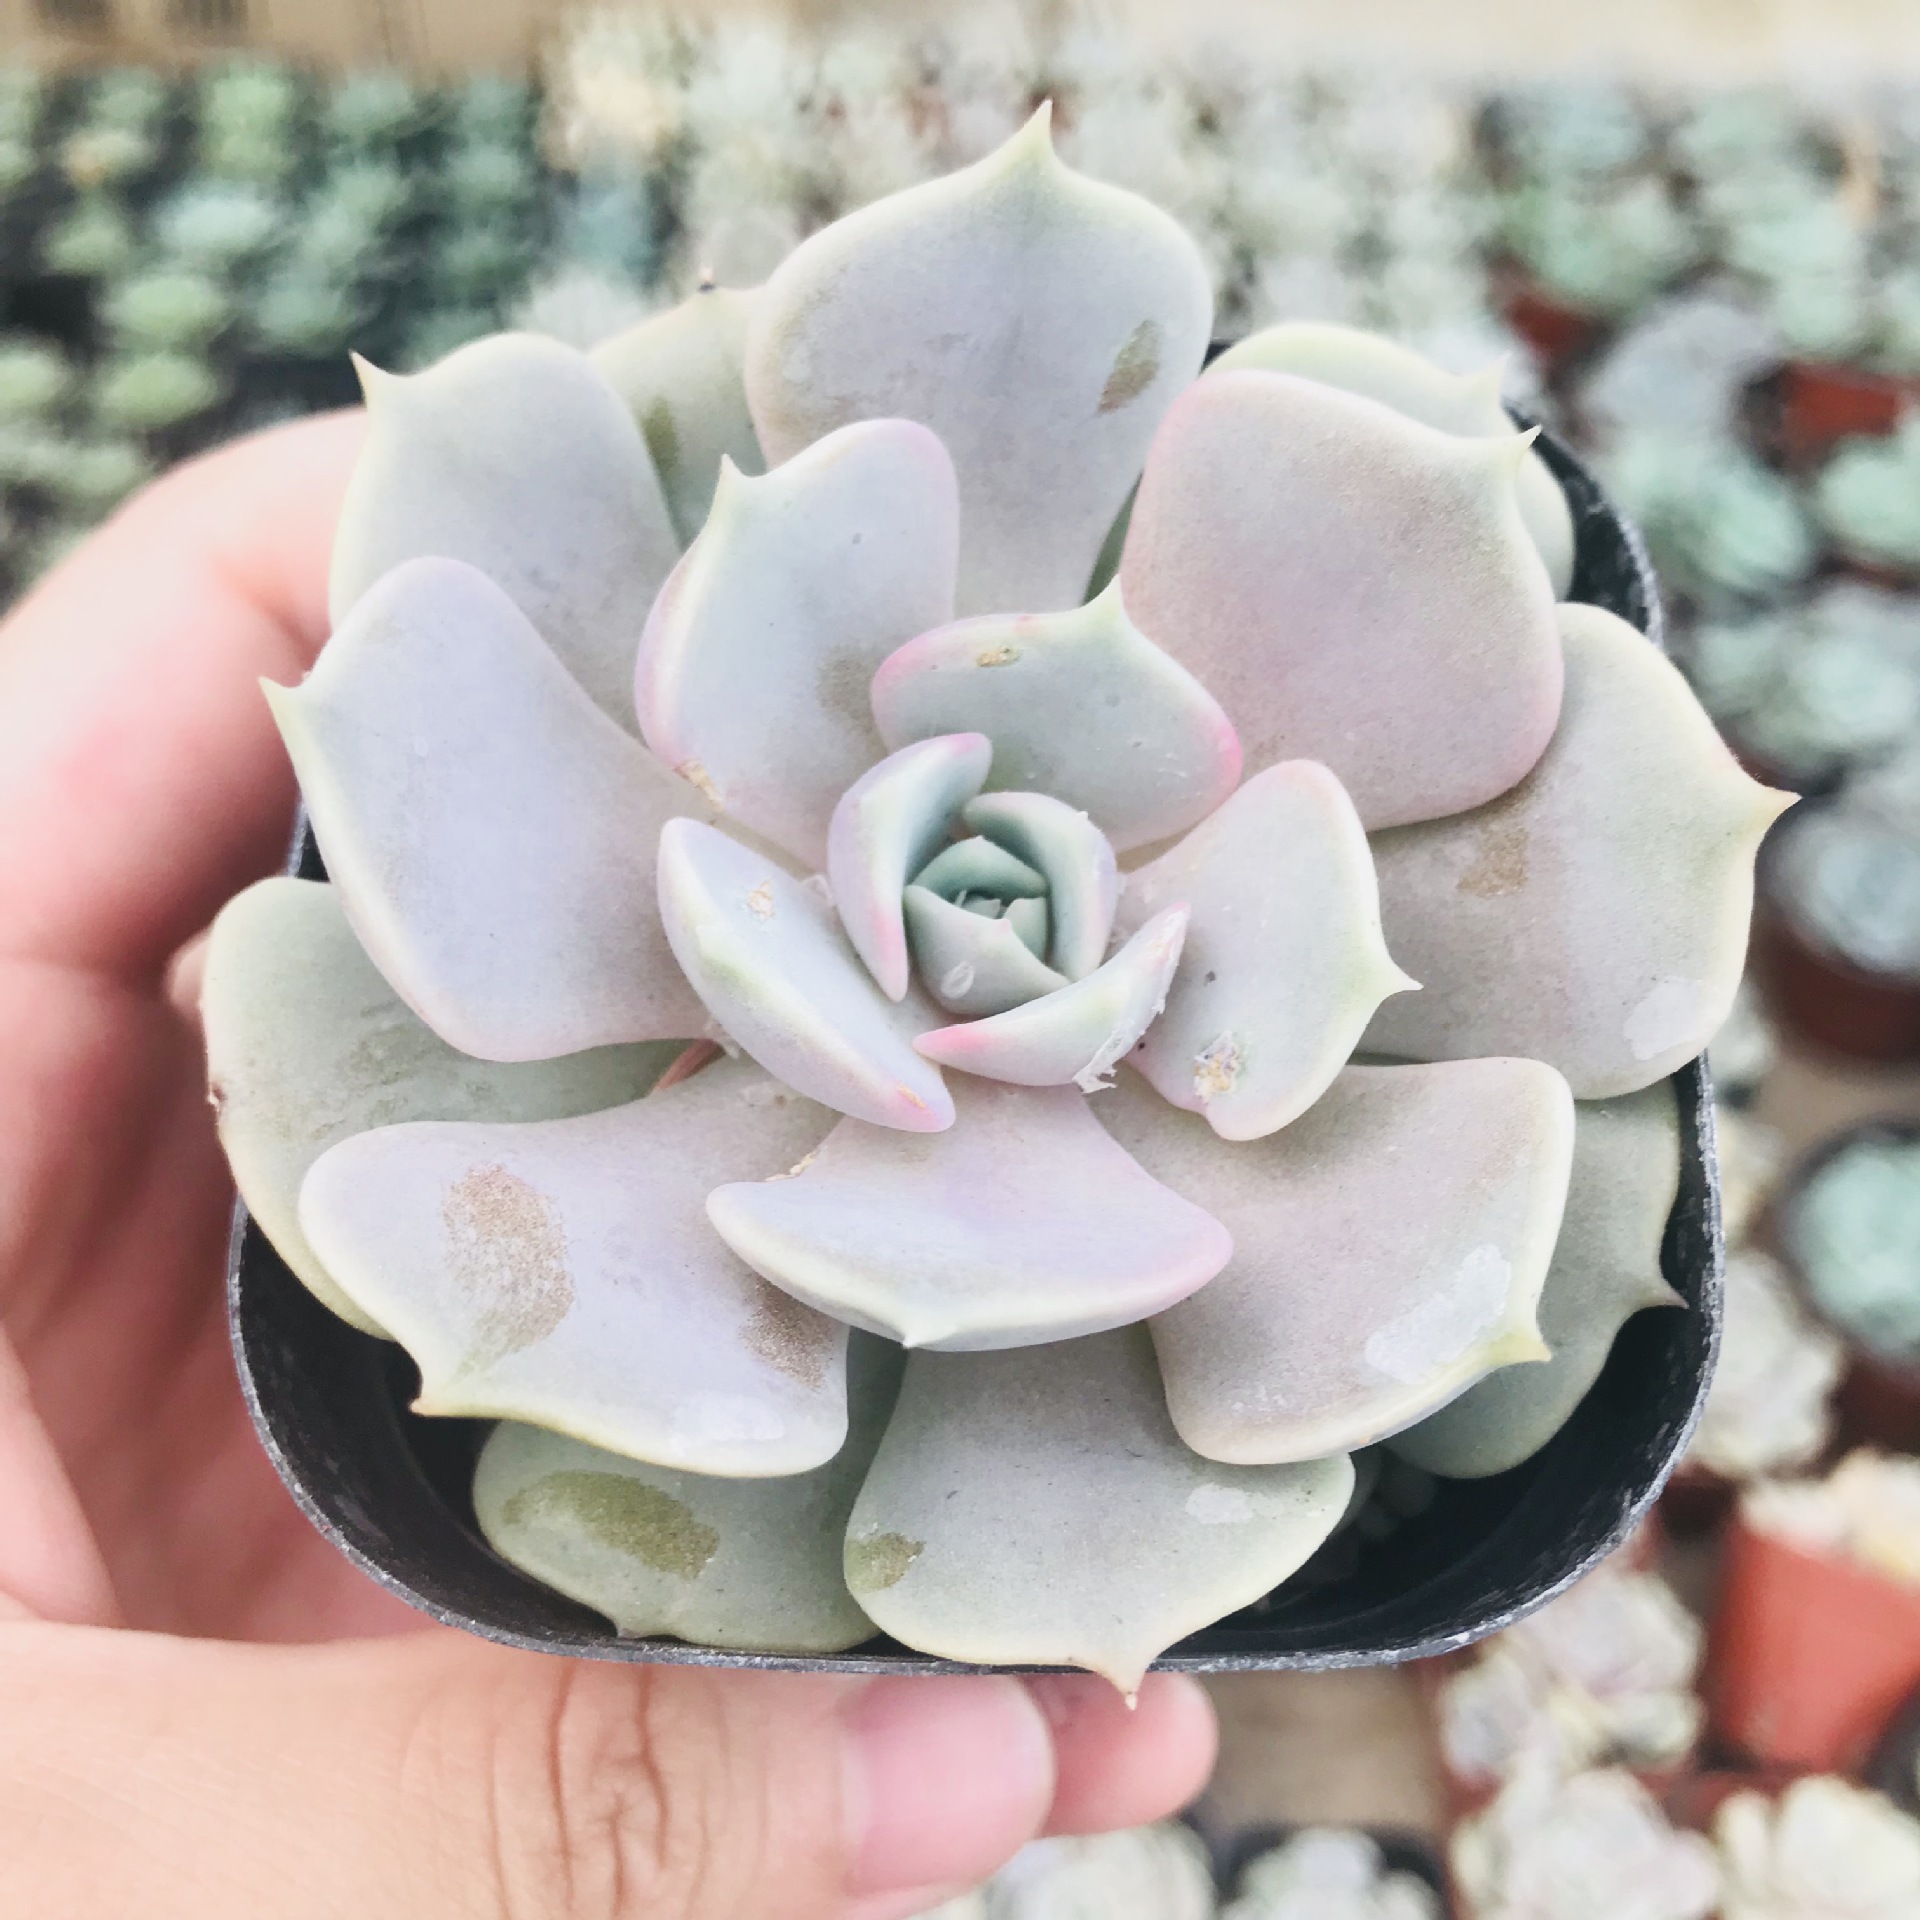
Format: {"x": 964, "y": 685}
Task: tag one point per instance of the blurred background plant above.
{"x": 1713, "y": 291}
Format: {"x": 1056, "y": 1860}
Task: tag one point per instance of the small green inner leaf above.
{"x": 626, "y": 1515}
{"x": 979, "y": 865}
{"x": 1032, "y": 922}
{"x": 1134, "y": 367}
{"x": 880, "y": 1561}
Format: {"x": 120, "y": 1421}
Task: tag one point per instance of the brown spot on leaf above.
{"x": 625, "y": 1515}
{"x": 790, "y": 1337}
{"x": 507, "y": 1252}
{"x": 997, "y": 657}
{"x": 662, "y": 437}
{"x": 1216, "y": 1068}
{"x": 880, "y": 1560}
{"x": 1499, "y": 863}
{"x": 1134, "y": 368}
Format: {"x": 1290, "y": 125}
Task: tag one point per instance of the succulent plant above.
{"x": 1139, "y": 1873}
{"x": 1868, "y": 497}
{"x": 146, "y": 391}
{"x": 1849, "y": 882}
{"x": 1603, "y": 1675}
{"x": 1825, "y": 1847}
{"x": 95, "y": 237}
{"x": 1866, "y": 1510}
{"x": 1329, "y": 1873}
{"x": 379, "y": 108}
{"x": 248, "y": 123}
{"x": 218, "y": 224}
{"x": 35, "y": 377}
{"x": 1853, "y": 1229}
{"x": 1769, "y": 1409}
{"x": 1592, "y": 1847}
{"x": 1602, "y": 248}
{"x": 923, "y": 845}
{"x": 167, "y": 309}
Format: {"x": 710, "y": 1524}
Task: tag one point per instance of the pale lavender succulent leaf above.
{"x": 679, "y": 373}
{"x": 1036, "y": 1507}
{"x": 1352, "y": 586}
{"x": 1038, "y": 321}
{"x": 971, "y": 962}
{"x": 1595, "y": 917}
{"x": 774, "y": 969}
{"x": 1285, "y": 962}
{"x": 562, "y": 1272}
{"x": 1082, "y": 875}
{"x": 1079, "y": 704}
{"x": 1076, "y": 1034}
{"x": 490, "y": 830}
{"x": 514, "y": 455}
{"x": 747, "y": 1564}
{"x": 307, "y": 1045}
{"x": 1606, "y": 1267}
{"x": 1389, "y": 1250}
{"x": 753, "y": 671}
{"x": 1025, "y": 1223}
{"x": 1464, "y": 403}
{"x": 883, "y": 829}
{"x": 1031, "y": 922}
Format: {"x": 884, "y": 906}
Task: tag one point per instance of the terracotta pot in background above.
{"x": 1556, "y": 332}
{"x": 1697, "y": 1504}
{"x": 1695, "y": 1799}
{"x": 1821, "y": 404}
{"x": 1809, "y": 1657}
{"x": 1825, "y": 999}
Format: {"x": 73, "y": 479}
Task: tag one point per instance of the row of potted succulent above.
{"x": 188, "y": 259}
{"x": 1165, "y": 1873}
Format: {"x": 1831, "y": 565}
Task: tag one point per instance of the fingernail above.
{"x": 946, "y": 1778}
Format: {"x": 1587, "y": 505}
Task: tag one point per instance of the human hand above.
{"x": 349, "y": 1759}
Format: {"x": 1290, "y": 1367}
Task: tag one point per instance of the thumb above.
{"x": 435, "y": 1775}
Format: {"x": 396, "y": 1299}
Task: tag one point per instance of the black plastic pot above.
{"x": 391, "y": 1490}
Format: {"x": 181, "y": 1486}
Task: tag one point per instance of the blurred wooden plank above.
{"x": 1347, "y": 1749}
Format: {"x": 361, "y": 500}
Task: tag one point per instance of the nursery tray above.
{"x": 392, "y": 1490}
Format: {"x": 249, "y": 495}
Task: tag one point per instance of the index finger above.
{"x": 142, "y": 781}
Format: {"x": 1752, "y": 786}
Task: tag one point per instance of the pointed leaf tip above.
{"x": 1031, "y": 269}
{"x": 1596, "y": 916}
{"x": 514, "y": 455}
{"x": 1606, "y": 1267}
{"x": 989, "y": 1470}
